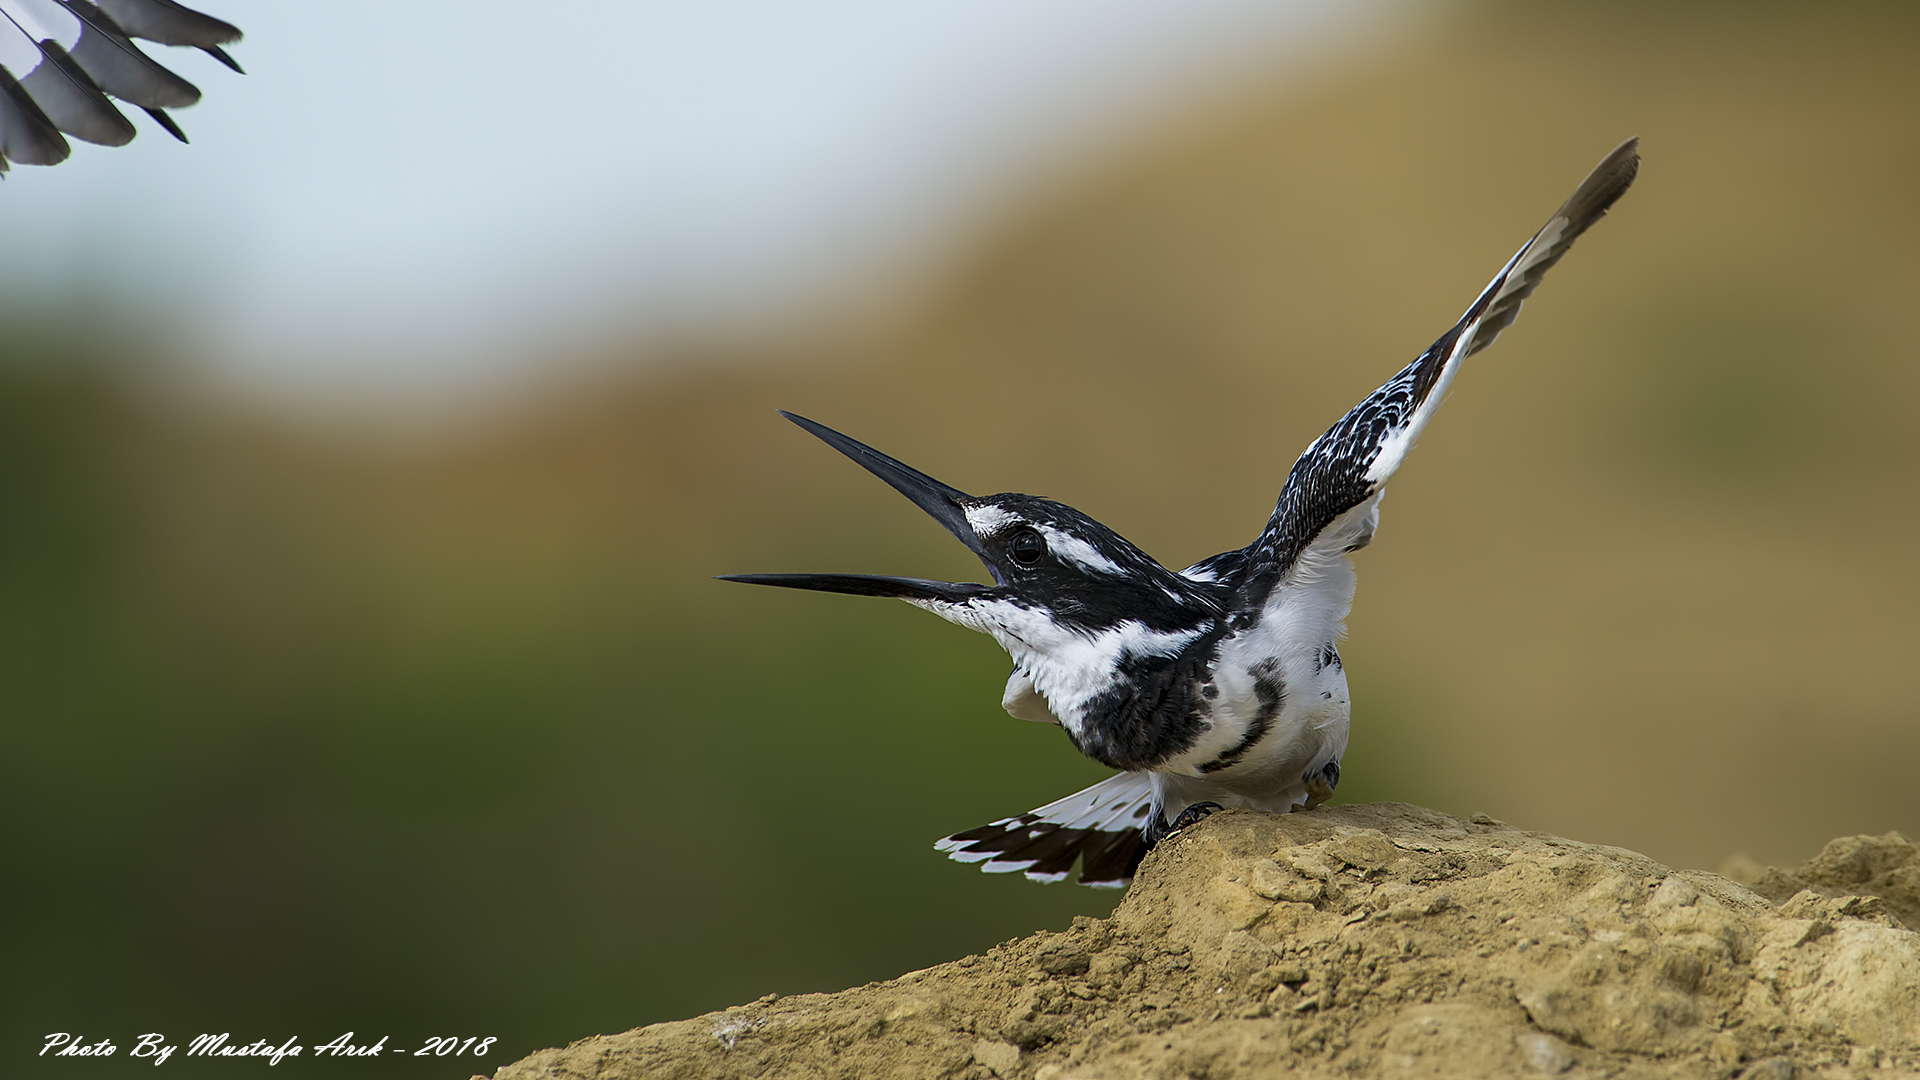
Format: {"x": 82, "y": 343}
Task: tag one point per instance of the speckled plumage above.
{"x": 1218, "y": 685}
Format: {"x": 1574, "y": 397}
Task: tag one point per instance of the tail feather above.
{"x": 1049, "y": 854}
{"x": 1099, "y": 827}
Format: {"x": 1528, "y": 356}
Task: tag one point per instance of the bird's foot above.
{"x": 1159, "y": 830}
{"x": 1192, "y": 815}
{"x": 1320, "y": 784}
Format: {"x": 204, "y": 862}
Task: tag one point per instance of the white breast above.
{"x": 1306, "y": 614}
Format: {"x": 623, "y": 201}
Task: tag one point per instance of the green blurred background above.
{"x": 314, "y": 727}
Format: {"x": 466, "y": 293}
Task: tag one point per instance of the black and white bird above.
{"x": 62, "y": 61}
{"x": 1219, "y": 685}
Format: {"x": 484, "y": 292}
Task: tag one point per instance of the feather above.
{"x": 38, "y": 34}
{"x": 173, "y": 127}
{"x": 221, "y": 55}
{"x": 117, "y": 65}
{"x": 1099, "y": 827}
{"x": 170, "y": 24}
{"x": 62, "y": 62}
{"x": 1348, "y": 465}
{"x": 26, "y": 135}
{"x": 71, "y": 100}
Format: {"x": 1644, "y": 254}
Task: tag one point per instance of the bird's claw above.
{"x": 1159, "y": 830}
{"x": 1320, "y": 784}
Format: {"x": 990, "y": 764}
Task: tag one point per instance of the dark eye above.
{"x": 1026, "y": 546}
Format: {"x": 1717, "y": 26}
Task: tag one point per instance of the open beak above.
{"x": 942, "y": 502}
{"x": 900, "y": 588}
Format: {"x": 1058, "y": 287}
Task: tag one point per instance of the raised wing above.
{"x": 63, "y": 61}
{"x": 1330, "y": 497}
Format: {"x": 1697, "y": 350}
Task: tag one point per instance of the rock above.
{"x": 1774, "y": 1068}
{"x": 1374, "y": 941}
{"x": 1276, "y": 882}
{"x": 1002, "y": 1059}
{"x": 1065, "y": 957}
{"x": 1887, "y": 867}
{"x": 1546, "y": 1053}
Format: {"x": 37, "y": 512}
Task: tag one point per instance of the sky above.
{"x": 427, "y": 197}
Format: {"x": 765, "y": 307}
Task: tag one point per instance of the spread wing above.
{"x": 62, "y": 62}
{"x": 1329, "y": 504}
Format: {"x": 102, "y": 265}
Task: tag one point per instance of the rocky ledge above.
{"x": 1377, "y": 940}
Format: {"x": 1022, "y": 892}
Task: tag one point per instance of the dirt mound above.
{"x": 1375, "y": 940}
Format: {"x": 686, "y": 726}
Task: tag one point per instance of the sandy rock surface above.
{"x": 1378, "y": 940}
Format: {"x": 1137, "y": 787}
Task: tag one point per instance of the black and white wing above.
{"x": 1099, "y": 827}
{"x": 62, "y": 62}
{"x": 1331, "y": 493}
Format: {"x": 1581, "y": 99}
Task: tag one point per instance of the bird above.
{"x": 63, "y": 61}
{"x": 1220, "y": 685}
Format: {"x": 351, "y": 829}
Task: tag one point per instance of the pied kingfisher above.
{"x": 62, "y": 61}
{"x": 1220, "y": 685}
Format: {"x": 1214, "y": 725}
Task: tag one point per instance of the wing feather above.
{"x": 37, "y": 35}
{"x": 170, "y": 24}
{"x": 1348, "y": 465}
{"x": 107, "y": 54}
{"x": 63, "y": 61}
{"x": 71, "y": 100}
{"x": 26, "y": 135}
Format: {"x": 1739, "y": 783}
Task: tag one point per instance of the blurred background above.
{"x": 363, "y": 467}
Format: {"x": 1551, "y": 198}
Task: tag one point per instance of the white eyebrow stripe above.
{"x": 987, "y": 520}
{"x": 1070, "y": 548}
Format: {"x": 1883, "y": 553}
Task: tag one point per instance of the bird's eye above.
{"x": 1026, "y": 546}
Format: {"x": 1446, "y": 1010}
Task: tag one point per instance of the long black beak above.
{"x": 900, "y": 588}
{"x": 942, "y": 501}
